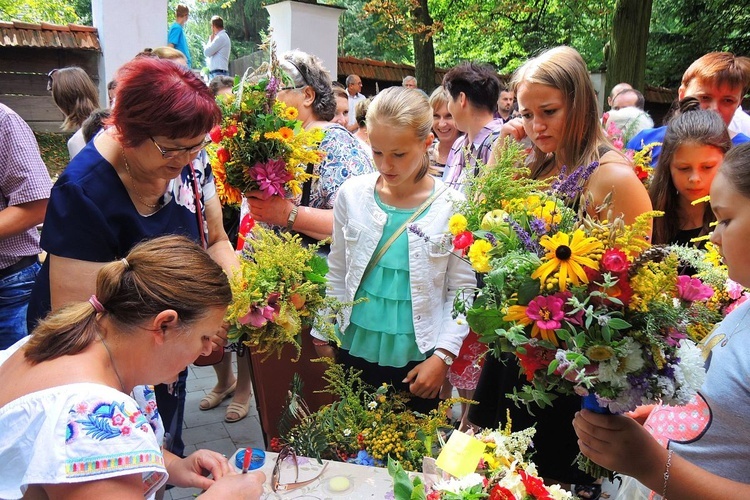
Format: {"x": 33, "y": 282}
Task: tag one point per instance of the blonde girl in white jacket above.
{"x": 404, "y": 334}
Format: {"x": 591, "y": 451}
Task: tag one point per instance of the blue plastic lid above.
{"x": 257, "y": 459}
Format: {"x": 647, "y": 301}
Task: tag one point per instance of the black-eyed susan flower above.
{"x": 568, "y": 254}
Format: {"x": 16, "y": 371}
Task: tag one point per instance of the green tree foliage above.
{"x": 36, "y": 11}
{"x": 244, "y": 21}
{"x": 684, "y": 30}
{"x": 507, "y": 32}
{"x": 366, "y": 34}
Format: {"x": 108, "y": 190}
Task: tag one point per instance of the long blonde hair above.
{"x": 403, "y": 108}
{"x": 563, "y": 68}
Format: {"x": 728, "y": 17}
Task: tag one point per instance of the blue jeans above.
{"x": 15, "y": 291}
{"x": 217, "y": 72}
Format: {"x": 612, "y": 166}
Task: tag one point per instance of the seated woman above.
{"x": 76, "y": 418}
{"x": 694, "y": 146}
{"x": 559, "y": 115}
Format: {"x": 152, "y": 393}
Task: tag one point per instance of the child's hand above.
{"x": 426, "y": 379}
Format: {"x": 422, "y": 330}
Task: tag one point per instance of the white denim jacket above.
{"x": 435, "y": 273}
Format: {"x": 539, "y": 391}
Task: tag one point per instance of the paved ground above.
{"x": 207, "y": 429}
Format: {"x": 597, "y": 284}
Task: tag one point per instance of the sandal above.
{"x": 214, "y": 399}
{"x": 588, "y": 491}
{"x": 237, "y": 408}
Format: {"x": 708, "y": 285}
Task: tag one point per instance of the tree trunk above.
{"x": 627, "y": 55}
{"x": 424, "y": 49}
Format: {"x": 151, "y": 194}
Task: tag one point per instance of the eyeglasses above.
{"x": 49, "y": 80}
{"x": 292, "y": 87}
{"x": 276, "y": 485}
{"x": 169, "y": 153}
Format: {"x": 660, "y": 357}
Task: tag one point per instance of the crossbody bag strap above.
{"x": 198, "y": 211}
{"x": 401, "y": 229}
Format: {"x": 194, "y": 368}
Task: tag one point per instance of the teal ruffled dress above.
{"x": 381, "y": 330}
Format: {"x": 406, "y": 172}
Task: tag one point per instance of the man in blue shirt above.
{"x": 718, "y": 80}
{"x": 176, "y": 37}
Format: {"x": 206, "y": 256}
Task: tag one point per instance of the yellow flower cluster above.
{"x": 457, "y": 224}
{"x": 654, "y": 281}
{"x": 479, "y": 256}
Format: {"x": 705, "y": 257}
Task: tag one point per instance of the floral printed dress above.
{"x": 79, "y": 432}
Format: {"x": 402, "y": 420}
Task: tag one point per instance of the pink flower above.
{"x": 693, "y": 289}
{"x": 615, "y": 261}
{"x": 463, "y": 240}
{"x": 731, "y": 307}
{"x": 546, "y": 311}
{"x": 271, "y": 177}
{"x": 734, "y": 289}
{"x": 618, "y": 143}
{"x": 118, "y": 420}
{"x": 125, "y": 431}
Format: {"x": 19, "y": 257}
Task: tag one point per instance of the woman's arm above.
{"x": 71, "y": 280}
{"x": 629, "y": 197}
{"x": 314, "y": 222}
{"x": 219, "y": 247}
{"x": 129, "y": 487}
{"x": 620, "y": 443}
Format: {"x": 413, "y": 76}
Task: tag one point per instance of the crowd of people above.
{"x": 133, "y": 287}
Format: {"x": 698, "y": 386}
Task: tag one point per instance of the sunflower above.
{"x": 569, "y": 255}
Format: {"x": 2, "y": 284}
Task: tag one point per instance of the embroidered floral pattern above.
{"x": 105, "y": 421}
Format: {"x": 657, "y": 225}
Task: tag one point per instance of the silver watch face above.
{"x": 446, "y": 359}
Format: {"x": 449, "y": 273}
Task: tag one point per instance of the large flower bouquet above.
{"x": 587, "y": 307}
{"x": 504, "y": 472}
{"x": 279, "y": 288}
{"x": 261, "y": 144}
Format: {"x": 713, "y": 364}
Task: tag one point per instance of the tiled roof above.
{"x": 371, "y": 69}
{"x": 660, "y": 95}
{"x": 45, "y": 35}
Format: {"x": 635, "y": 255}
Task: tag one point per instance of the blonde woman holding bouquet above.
{"x": 707, "y": 457}
{"x": 559, "y": 115}
{"x": 404, "y": 333}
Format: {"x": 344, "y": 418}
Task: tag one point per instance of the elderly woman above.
{"x": 81, "y": 375}
{"x": 311, "y": 93}
{"x": 144, "y": 176}
{"x": 76, "y": 96}
{"x": 309, "y": 90}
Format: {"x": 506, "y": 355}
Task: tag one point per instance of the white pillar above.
{"x": 310, "y": 27}
{"x": 125, "y": 29}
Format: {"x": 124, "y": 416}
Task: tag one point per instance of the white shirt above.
{"x": 217, "y": 52}
{"x": 353, "y": 106}
{"x": 740, "y": 123}
{"x": 435, "y": 273}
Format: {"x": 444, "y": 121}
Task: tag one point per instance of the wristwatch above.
{"x": 292, "y": 217}
{"x": 447, "y": 358}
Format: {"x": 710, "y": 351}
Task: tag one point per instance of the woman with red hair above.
{"x": 146, "y": 175}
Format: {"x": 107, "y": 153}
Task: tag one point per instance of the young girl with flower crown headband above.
{"x": 404, "y": 334}
{"x": 707, "y": 456}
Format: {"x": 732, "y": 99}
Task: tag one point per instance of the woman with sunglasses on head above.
{"x": 144, "y": 176}
{"x": 309, "y": 91}
{"x": 76, "y": 415}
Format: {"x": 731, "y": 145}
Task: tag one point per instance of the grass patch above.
{"x": 54, "y": 150}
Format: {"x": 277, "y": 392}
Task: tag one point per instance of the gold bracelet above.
{"x": 666, "y": 474}
{"x": 292, "y": 217}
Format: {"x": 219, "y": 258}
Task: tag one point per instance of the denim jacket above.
{"x": 435, "y": 273}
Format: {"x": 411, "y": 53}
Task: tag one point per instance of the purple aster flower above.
{"x": 569, "y": 187}
{"x": 272, "y": 88}
{"x": 528, "y": 243}
{"x": 538, "y": 226}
